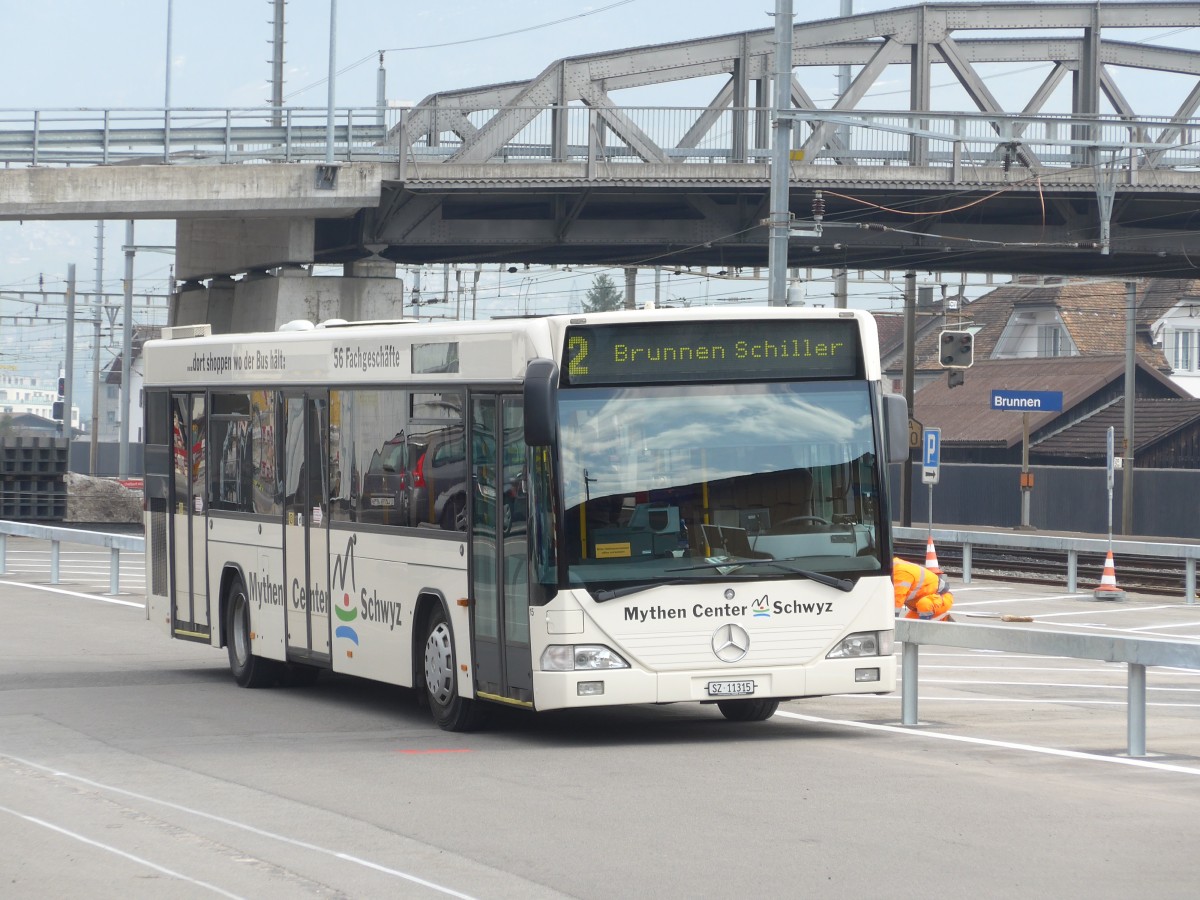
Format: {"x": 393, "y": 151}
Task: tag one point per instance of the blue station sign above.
{"x": 1027, "y": 401}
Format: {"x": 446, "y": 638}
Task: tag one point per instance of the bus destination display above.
{"x": 723, "y": 350}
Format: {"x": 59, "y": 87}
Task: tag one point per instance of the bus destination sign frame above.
{"x": 723, "y": 350}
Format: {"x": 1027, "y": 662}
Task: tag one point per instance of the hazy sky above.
{"x": 112, "y": 54}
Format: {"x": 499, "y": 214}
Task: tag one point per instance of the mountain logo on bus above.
{"x": 347, "y": 610}
{"x": 761, "y": 607}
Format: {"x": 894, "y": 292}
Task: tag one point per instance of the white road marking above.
{"x": 242, "y": 826}
{"x": 1144, "y": 631}
{"x": 121, "y": 853}
{"x": 1107, "y": 609}
{"x": 1003, "y": 745}
{"x": 1175, "y": 625}
{"x": 103, "y": 598}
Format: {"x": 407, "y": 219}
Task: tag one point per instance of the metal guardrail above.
{"x": 58, "y": 536}
{"x": 1136, "y": 653}
{"x": 1070, "y": 546}
{"x": 960, "y": 142}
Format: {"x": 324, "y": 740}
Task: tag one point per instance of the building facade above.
{"x": 109, "y": 413}
{"x": 23, "y": 395}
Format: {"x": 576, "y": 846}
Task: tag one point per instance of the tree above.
{"x": 602, "y": 296}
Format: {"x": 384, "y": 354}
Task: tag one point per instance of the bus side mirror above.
{"x": 541, "y": 403}
{"x": 895, "y": 427}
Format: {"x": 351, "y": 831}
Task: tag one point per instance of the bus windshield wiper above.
{"x": 724, "y": 566}
{"x": 614, "y": 593}
{"x": 842, "y": 584}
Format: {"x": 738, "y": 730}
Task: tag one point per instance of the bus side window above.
{"x": 264, "y": 471}
{"x": 230, "y": 486}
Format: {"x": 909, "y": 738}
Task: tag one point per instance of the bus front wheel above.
{"x": 249, "y": 671}
{"x": 747, "y": 710}
{"x": 450, "y": 711}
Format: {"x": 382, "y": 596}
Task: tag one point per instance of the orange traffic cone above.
{"x": 1108, "y": 589}
{"x": 931, "y": 562}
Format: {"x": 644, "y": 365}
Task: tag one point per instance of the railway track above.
{"x": 1146, "y": 574}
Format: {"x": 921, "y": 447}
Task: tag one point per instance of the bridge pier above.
{"x": 262, "y": 301}
{"x": 222, "y": 291}
{"x": 272, "y": 256}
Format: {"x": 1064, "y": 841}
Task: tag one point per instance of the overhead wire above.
{"x": 487, "y": 37}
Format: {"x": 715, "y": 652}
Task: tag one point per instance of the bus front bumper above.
{"x": 613, "y": 687}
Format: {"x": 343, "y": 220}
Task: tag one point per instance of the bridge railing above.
{"x": 958, "y": 142}
{"x": 61, "y": 137}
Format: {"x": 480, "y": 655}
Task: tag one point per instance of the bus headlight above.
{"x": 574, "y": 657}
{"x": 863, "y": 643}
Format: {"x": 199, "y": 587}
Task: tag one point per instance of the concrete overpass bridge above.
{"x": 567, "y": 167}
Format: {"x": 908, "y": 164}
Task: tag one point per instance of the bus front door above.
{"x": 189, "y": 593}
{"x": 306, "y": 527}
{"x": 499, "y": 551}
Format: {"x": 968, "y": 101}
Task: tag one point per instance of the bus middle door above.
{"x": 188, "y": 539}
{"x": 499, "y": 551}
{"x": 306, "y": 527}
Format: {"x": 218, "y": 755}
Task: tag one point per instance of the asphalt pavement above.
{"x": 132, "y": 766}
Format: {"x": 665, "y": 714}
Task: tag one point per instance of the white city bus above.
{"x": 565, "y": 511}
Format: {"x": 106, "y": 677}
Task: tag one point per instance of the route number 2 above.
{"x": 577, "y": 347}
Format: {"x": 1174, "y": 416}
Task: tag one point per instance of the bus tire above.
{"x": 249, "y": 671}
{"x": 450, "y": 711}
{"x": 747, "y": 710}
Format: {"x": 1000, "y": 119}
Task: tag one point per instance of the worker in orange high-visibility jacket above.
{"x": 920, "y": 593}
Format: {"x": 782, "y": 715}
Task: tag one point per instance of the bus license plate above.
{"x": 729, "y": 688}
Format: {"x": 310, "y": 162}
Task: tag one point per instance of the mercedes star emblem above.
{"x": 730, "y": 643}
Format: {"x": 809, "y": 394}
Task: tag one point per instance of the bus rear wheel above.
{"x": 249, "y": 671}
{"x": 747, "y": 710}
{"x": 450, "y": 711}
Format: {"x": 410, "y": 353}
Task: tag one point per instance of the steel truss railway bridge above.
{"x": 562, "y": 168}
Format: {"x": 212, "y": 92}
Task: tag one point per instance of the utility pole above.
{"x": 167, "y": 90}
{"x": 69, "y": 366}
{"x": 126, "y": 353}
{"x": 97, "y": 302}
{"x": 780, "y": 209}
{"x": 277, "y": 64}
{"x": 381, "y": 94}
{"x": 475, "y": 291}
{"x": 910, "y": 339}
{"x": 415, "y": 294}
{"x": 841, "y": 298}
{"x": 1130, "y": 400}
{"x": 332, "y": 82}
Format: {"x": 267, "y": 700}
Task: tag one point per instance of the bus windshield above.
{"x": 716, "y": 481}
